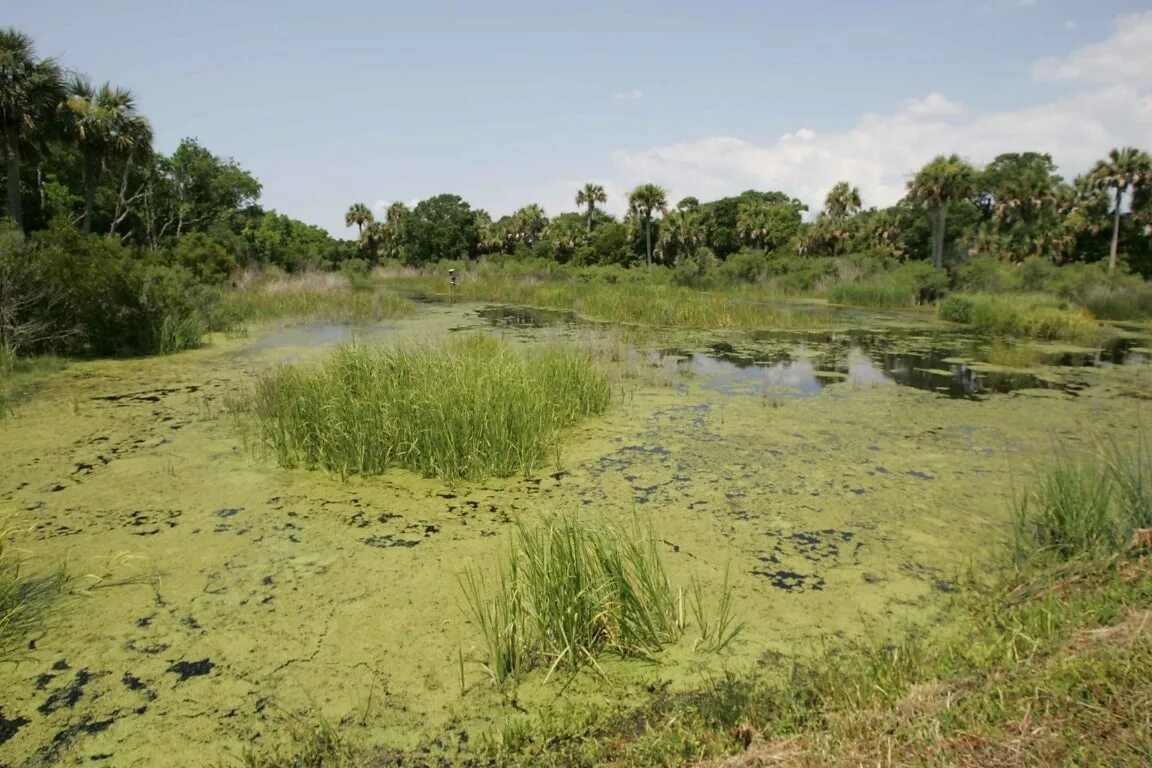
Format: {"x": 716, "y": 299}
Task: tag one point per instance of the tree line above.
{"x": 1014, "y": 208}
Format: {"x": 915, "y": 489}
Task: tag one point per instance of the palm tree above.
{"x": 755, "y": 220}
{"x": 30, "y": 90}
{"x": 359, "y": 215}
{"x": 105, "y": 124}
{"x": 935, "y": 187}
{"x": 589, "y": 196}
{"x": 843, "y": 200}
{"x": 680, "y": 233}
{"x": 645, "y": 200}
{"x": 1125, "y": 168}
{"x": 528, "y": 224}
{"x": 395, "y": 212}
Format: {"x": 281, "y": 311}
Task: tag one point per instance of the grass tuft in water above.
{"x": 469, "y": 408}
{"x": 25, "y": 600}
{"x": 570, "y": 590}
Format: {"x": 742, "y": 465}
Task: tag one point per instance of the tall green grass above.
{"x": 1088, "y": 504}
{"x": 469, "y": 408}
{"x": 1023, "y": 315}
{"x": 313, "y": 296}
{"x": 568, "y": 591}
{"x": 25, "y": 600}
{"x": 872, "y": 294}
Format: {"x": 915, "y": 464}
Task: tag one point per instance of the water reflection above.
{"x": 803, "y": 373}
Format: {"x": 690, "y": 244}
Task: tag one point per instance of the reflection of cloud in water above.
{"x": 861, "y": 370}
{"x": 797, "y": 374}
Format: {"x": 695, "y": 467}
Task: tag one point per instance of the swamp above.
{"x": 835, "y": 483}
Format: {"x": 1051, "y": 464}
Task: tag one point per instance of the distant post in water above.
{"x": 452, "y": 282}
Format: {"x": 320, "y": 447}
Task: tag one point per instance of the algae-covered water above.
{"x": 844, "y": 479}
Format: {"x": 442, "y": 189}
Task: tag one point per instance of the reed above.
{"x": 25, "y": 600}
{"x": 469, "y": 408}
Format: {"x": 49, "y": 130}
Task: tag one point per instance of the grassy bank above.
{"x": 1021, "y": 315}
{"x": 1045, "y": 661}
{"x": 311, "y": 296}
{"x": 470, "y": 408}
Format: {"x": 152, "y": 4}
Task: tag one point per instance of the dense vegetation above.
{"x": 110, "y": 247}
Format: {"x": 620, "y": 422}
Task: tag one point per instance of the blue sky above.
{"x": 507, "y": 103}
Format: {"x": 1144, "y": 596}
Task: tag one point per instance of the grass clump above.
{"x": 872, "y": 294}
{"x": 469, "y": 408}
{"x": 568, "y": 591}
{"x": 1023, "y": 315}
{"x": 25, "y": 600}
{"x": 1089, "y": 504}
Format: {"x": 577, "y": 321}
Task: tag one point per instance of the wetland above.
{"x": 837, "y": 483}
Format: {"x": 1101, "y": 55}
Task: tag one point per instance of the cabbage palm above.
{"x": 105, "y": 125}
{"x": 30, "y": 91}
{"x": 754, "y": 222}
{"x": 1127, "y": 168}
{"x": 843, "y": 200}
{"x": 395, "y": 212}
{"x": 936, "y": 186}
{"x": 644, "y": 201}
{"x": 528, "y": 224}
{"x": 360, "y": 215}
{"x": 589, "y": 196}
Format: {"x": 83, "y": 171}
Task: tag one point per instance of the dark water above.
{"x": 527, "y": 317}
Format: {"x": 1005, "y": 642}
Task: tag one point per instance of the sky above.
{"x": 511, "y": 102}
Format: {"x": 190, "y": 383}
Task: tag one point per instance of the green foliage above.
{"x": 570, "y": 590}
{"x": 469, "y": 408}
{"x": 1024, "y": 315}
{"x": 441, "y": 227}
{"x": 1087, "y": 505}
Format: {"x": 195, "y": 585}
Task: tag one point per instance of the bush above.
{"x": 466, "y": 409}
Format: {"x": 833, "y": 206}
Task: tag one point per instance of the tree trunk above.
{"x": 12, "y": 168}
{"x": 648, "y": 238}
{"x": 1115, "y": 231}
{"x": 938, "y": 221}
{"x": 89, "y": 192}
{"x": 591, "y": 213}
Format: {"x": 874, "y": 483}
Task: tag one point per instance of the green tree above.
{"x": 441, "y": 227}
{"x": 30, "y": 90}
{"x": 528, "y": 224}
{"x": 105, "y": 124}
{"x": 359, "y": 215}
{"x": 936, "y": 186}
{"x": 1124, "y": 169}
{"x": 680, "y": 234}
{"x": 843, "y": 201}
{"x": 589, "y": 196}
{"x": 644, "y": 201}
{"x": 194, "y": 190}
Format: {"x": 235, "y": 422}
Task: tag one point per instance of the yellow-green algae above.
{"x": 227, "y": 594}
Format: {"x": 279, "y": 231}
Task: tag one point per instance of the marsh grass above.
{"x": 174, "y": 333}
{"x": 313, "y": 296}
{"x": 468, "y": 408}
{"x": 872, "y": 294}
{"x": 1012, "y": 354}
{"x": 26, "y": 600}
{"x": 635, "y": 301}
{"x": 1032, "y": 316}
{"x": 570, "y": 590}
{"x": 1087, "y": 504}
{"x": 717, "y": 628}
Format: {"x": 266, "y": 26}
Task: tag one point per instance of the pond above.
{"x": 844, "y": 479}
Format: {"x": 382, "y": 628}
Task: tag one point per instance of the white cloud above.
{"x": 633, "y": 95}
{"x": 1125, "y": 57}
{"x": 1071, "y": 25}
{"x": 879, "y": 153}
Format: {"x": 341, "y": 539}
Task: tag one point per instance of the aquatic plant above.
{"x": 872, "y": 294}
{"x": 469, "y": 408}
{"x": 1023, "y": 315}
{"x": 25, "y": 599}
{"x": 570, "y": 590}
{"x": 1087, "y": 504}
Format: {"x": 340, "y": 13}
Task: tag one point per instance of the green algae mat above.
{"x": 216, "y": 596}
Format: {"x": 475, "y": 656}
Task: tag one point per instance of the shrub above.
{"x": 466, "y": 409}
